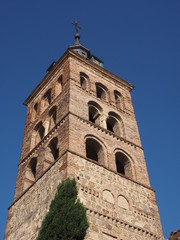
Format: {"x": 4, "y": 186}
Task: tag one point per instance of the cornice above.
{"x": 103, "y": 71}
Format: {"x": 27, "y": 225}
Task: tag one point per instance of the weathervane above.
{"x": 76, "y": 26}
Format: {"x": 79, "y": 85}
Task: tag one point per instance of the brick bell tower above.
{"x": 81, "y": 124}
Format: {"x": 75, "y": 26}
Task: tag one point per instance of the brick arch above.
{"x": 129, "y": 170}
{"x": 58, "y": 85}
{"x": 119, "y": 99}
{"x": 52, "y": 117}
{"x": 116, "y": 117}
{"x": 51, "y": 152}
{"x": 95, "y": 112}
{"x": 30, "y": 172}
{"x": 37, "y": 134}
{"x": 103, "y": 153}
{"x": 46, "y": 99}
{"x": 102, "y": 92}
{"x": 84, "y": 81}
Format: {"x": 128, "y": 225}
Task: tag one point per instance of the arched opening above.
{"x": 58, "y": 86}
{"x": 83, "y": 83}
{"x": 30, "y": 174}
{"x": 52, "y": 114}
{"x": 46, "y": 100}
{"x": 118, "y": 99}
{"x": 113, "y": 125}
{"x": 123, "y": 165}
{"x": 53, "y": 150}
{"x": 94, "y": 150}
{"x": 94, "y": 112}
{"x": 83, "y": 80}
{"x": 101, "y": 91}
{"x": 31, "y": 169}
{"x": 37, "y": 134}
{"x": 34, "y": 111}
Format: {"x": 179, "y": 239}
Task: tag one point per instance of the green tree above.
{"x": 66, "y": 219}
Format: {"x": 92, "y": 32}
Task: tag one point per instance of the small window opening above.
{"x": 39, "y": 133}
{"x": 34, "y": 111}
{"x": 32, "y": 166}
{"x": 58, "y": 87}
{"x": 52, "y": 114}
{"x": 100, "y": 93}
{"x": 47, "y": 99}
{"x": 83, "y": 83}
{"x": 30, "y": 173}
{"x": 118, "y": 99}
{"x": 53, "y": 148}
{"x": 35, "y": 107}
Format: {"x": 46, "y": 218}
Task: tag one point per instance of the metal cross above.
{"x": 76, "y": 26}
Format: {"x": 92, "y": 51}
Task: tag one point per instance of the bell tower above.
{"x": 81, "y": 124}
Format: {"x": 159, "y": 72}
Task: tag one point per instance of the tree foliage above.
{"x": 66, "y": 219}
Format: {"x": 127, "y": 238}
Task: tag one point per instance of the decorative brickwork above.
{"x": 80, "y": 123}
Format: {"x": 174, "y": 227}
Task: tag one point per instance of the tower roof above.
{"x": 82, "y": 50}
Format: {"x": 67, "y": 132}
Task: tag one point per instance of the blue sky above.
{"x": 138, "y": 40}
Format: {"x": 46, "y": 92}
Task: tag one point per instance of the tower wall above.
{"x": 81, "y": 124}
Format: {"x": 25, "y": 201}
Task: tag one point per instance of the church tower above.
{"x": 81, "y": 124}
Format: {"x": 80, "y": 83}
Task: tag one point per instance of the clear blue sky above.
{"x": 138, "y": 40}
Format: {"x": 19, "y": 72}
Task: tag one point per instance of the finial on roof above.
{"x": 77, "y": 36}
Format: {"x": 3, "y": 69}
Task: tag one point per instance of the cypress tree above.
{"x": 66, "y": 219}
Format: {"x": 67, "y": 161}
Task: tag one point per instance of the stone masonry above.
{"x": 81, "y": 124}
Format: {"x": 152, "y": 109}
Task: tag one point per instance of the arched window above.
{"x": 123, "y": 164}
{"x": 37, "y": 135}
{"x": 34, "y": 111}
{"x": 30, "y": 174}
{"x": 58, "y": 86}
{"x": 40, "y": 130}
{"x": 118, "y": 99}
{"x": 52, "y": 114}
{"x": 52, "y": 150}
{"x": 101, "y": 91}
{"x": 32, "y": 168}
{"x": 94, "y": 112}
{"x": 94, "y": 150}
{"x": 83, "y": 80}
{"x": 113, "y": 123}
{"x": 46, "y": 100}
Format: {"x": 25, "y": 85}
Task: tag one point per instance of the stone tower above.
{"x": 81, "y": 124}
